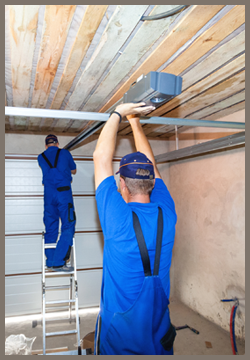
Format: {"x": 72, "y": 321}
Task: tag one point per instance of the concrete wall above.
{"x": 209, "y": 250}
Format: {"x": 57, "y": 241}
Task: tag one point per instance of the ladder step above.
{"x": 60, "y": 301}
{"x": 61, "y": 333}
{"x": 51, "y": 309}
{"x": 73, "y": 319}
{"x": 50, "y": 246}
{"x": 58, "y": 273}
{"x": 59, "y": 287}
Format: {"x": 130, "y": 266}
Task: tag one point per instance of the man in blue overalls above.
{"x": 57, "y": 166}
{"x": 139, "y": 229}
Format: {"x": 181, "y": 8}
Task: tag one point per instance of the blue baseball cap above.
{"x": 130, "y": 163}
{"x": 51, "y": 139}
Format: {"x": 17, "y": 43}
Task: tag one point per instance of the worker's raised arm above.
{"x": 141, "y": 141}
{"x": 105, "y": 147}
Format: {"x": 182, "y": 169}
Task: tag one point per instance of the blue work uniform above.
{"x": 134, "y": 316}
{"x": 56, "y": 165}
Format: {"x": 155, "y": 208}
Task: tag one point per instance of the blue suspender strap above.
{"x": 142, "y": 245}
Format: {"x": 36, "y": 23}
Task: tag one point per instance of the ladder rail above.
{"x": 73, "y": 290}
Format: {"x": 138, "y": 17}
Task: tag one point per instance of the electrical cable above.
{"x": 232, "y": 324}
{"x": 164, "y": 14}
{"x": 232, "y": 329}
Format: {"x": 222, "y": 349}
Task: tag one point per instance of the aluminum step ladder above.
{"x": 63, "y": 304}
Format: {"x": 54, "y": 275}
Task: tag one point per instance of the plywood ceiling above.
{"x": 85, "y": 57}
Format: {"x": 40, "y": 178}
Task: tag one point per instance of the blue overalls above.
{"x": 145, "y": 328}
{"x": 58, "y": 204}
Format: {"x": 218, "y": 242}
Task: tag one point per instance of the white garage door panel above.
{"x": 23, "y": 254}
{"x": 24, "y": 208}
{"x": 23, "y": 177}
{"x": 87, "y": 218}
{"x": 89, "y": 290}
{"x": 23, "y": 295}
{"x": 83, "y": 181}
{"x": 29, "y": 298}
{"x": 89, "y": 250}
{"x": 25, "y": 216}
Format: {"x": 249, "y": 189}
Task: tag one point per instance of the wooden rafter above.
{"x": 86, "y": 32}
{"x": 142, "y": 41}
{"x": 194, "y": 20}
{"x": 57, "y": 20}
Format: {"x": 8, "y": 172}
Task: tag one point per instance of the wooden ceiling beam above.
{"x": 142, "y": 41}
{"x": 119, "y": 28}
{"x": 57, "y": 20}
{"x": 23, "y": 26}
{"x": 216, "y": 93}
{"x": 193, "y": 20}
{"x": 224, "y": 112}
{"x": 89, "y": 25}
{"x": 209, "y": 39}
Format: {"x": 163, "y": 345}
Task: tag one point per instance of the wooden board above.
{"x": 142, "y": 41}
{"x": 57, "y": 20}
{"x": 221, "y": 105}
{"x": 120, "y": 26}
{"x": 216, "y": 93}
{"x": 227, "y": 111}
{"x": 222, "y": 73}
{"x": 194, "y": 19}
{"x": 89, "y": 25}
{"x": 209, "y": 39}
{"x": 206, "y": 112}
{"x": 23, "y": 24}
{"x": 200, "y": 73}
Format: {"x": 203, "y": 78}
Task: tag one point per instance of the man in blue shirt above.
{"x": 134, "y": 316}
{"x": 57, "y": 167}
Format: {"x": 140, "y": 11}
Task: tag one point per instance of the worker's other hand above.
{"x": 134, "y": 109}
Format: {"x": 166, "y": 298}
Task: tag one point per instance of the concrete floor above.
{"x": 186, "y": 343}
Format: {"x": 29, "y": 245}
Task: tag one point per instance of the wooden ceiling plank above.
{"x": 194, "y": 91}
{"x": 216, "y": 59}
{"x": 120, "y": 26}
{"x": 23, "y": 26}
{"x": 186, "y": 28}
{"x": 230, "y": 101}
{"x": 209, "y": 39}
{"x": 227, "y": 111}
{"x": 89, "y": 25}
{"x": 57, "y": 20}
{"x": 61, "y": 125}
{"x": 222, "y": 73}
{"x": 204, "y": 113}
{"x": 217, "y": 93}
{"x": 143, "y": 40}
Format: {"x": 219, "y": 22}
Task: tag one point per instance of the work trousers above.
{"x": 58, "y": 205}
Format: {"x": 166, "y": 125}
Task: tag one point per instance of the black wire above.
{"x": 165, "y": 14}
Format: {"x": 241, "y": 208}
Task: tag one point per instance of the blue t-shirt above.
{"x": 64, "y": 165}
{"x": 123, "y": 273}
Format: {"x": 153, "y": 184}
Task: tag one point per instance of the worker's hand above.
{"x": 134, "y": 109}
